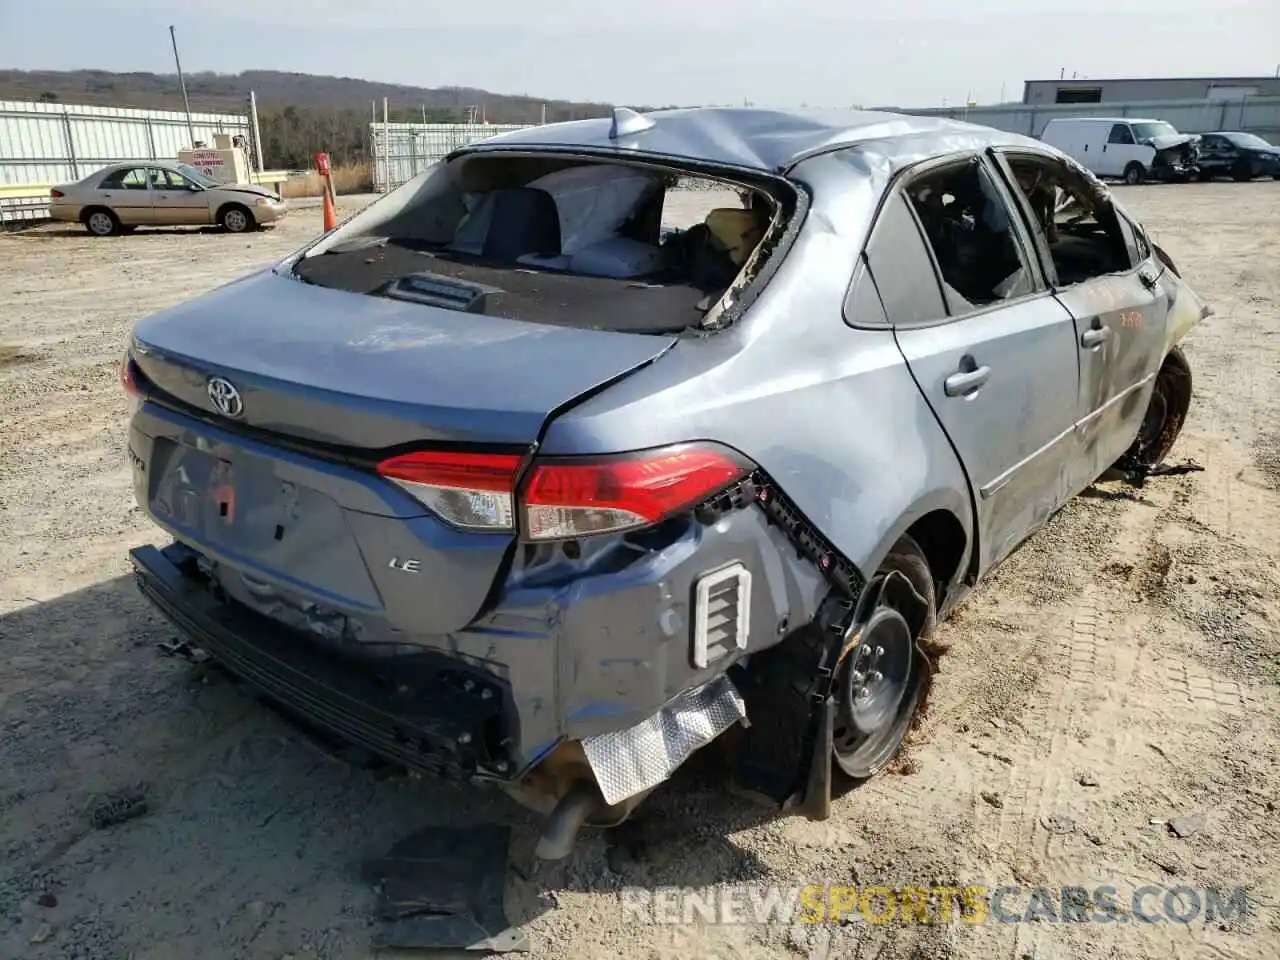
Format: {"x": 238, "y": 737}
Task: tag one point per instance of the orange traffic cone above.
{"x": 330, "y": 216}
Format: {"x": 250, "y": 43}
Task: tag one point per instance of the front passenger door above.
{"x": 1102, "y": 270}
{"x": 178, "y": 200}
{"x": 991, "y": 350}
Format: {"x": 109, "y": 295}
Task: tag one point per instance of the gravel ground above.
{"x": 1121, "y": 670}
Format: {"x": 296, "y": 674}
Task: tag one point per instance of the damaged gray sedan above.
{"x": 509, "y": 481}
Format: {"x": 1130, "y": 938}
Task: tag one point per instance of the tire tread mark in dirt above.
{"x": 1208, "y": 694}
{"x": 1074, "y": 670}
{"x": 1082, "y": 669}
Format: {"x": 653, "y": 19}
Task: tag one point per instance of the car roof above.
{"x": 766, "y": 140}
{"x": 1105, "y": 120}
{"x": 140, "y": 162}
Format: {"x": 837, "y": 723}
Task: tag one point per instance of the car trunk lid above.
{"x": 284, "y": 497}
{"x": 324, "y": 365}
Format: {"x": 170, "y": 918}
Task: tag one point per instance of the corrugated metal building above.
{"x": 1260, "y": 115}
{"x": 1046, "y": 92}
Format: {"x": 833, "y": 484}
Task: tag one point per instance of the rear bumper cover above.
{"x": 435, "y": 715}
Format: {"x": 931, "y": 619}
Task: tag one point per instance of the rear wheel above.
{"x": 1134, "y": 173}
{"x": 1242, "y": 172}
{"x": 1166, "y": 413}
{"x": 881, "y": 679}
{"x": 235, "y": 218}
{"x": 102, "y": 222}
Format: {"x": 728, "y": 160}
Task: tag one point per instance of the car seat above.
{"x": 505, "y": 225}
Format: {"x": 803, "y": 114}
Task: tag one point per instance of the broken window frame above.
{"x": 789, "y": 199}
{"x": 953, "y": 312}
{"x": 913, "y": 303}
{"x": 1096, "y": 190}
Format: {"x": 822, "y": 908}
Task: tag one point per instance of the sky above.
{"x": 816, "y": 53}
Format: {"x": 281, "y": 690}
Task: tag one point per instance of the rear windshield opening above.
{"x": 578, "y": 242}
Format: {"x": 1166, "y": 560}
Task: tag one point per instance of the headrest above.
{"x": 738, "y": 231}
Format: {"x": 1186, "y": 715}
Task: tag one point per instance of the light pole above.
{"x": 191, "y": 131}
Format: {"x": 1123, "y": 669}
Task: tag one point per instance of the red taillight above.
{"x": 129, "y": 378}
{"x": 568, "y": 498}
{"x": 576, "y": 499}
{"x": 469, "y": 490}
{"x": 56, "y": 194}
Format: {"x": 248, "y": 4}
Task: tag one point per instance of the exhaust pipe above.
{"x": 570, "y": 813}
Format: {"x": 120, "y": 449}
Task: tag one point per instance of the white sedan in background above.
{"x": 150, "y": 193}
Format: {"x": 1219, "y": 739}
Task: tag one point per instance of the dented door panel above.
{"x": 1119, "y": 324}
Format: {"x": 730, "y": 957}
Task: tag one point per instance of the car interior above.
{"x": 554, "y": 241}
{"x": 1082, "y": 230}
{"x": 968, "y": 227}
{"x": 131, "y": 178}
{"x": 978, "y": 254}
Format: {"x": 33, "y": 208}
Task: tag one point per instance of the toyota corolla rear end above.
{"x": 363, "y": 526}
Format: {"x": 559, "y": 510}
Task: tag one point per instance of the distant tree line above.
{"x": 299, "y": 114}
{"x": 291, "y": 136}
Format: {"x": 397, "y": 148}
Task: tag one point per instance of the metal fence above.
{"x": 403, "y": 150}
{"x": 46, "y": 143}
{"x": 1260, "y": 115}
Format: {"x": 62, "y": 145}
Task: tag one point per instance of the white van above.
{"x": 1125, "y": 148}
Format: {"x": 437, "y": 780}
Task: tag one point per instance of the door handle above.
{"x": 1148, "y": 278}
{"x": 1094, "y": 337}
{"x": 965, "y": 382}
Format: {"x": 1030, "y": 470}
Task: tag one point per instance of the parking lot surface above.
{"x": 1119, "y": 673}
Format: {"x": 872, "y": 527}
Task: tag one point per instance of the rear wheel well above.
{"x": 942, "y": 539}
{"x": 95, "y": 208}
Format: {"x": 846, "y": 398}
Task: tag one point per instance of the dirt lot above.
{"x": 1123, "y": 669}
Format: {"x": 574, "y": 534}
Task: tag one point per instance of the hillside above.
{"x": 218, "y": 92}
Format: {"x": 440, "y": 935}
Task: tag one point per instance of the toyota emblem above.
{"x": 225, "y": 397}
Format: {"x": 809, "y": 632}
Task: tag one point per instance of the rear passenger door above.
{"x": 990, "y": 348}
{"x": 1101, "y": 268}
{"x": 127, "y": 193}
{"x": 1216, "y": 155}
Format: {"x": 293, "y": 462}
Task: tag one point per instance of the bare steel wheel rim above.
{"x": 101, "y": 223}
{"x": 235, "y": 221}
{"x": 879, "y": 681}
{"x": 874, "y": 678}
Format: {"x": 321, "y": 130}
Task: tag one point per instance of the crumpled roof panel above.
{"x": 765, "y": 140}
